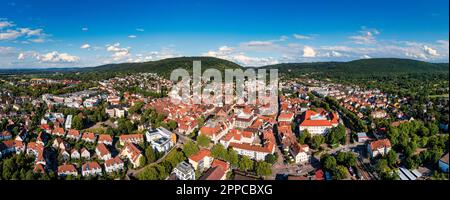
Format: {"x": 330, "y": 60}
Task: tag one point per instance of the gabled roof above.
{"x": 200, "y": 155}
{"x": 384, "y": 143}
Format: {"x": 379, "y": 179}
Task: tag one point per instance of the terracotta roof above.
{"x": 59, "y": 131}
{"x": 214, "y": 173}
{"x": 88, "y": 135}
{"x": 224, "y": 165}
{"x": 209, "y": 131}
{"x": 105, "y": 137}
{"x": 67, "y": 168}
{"x": 113, "y": 161}
{"x": 103, "y": 149}
{"x": 286, "y": 116}
{"x": 73, "y": 132}
{"x": 90, "y": 165}
{"x": 332, "y": 118}
{"x": 384, "y": 143}
{"x": 200, "y": 155}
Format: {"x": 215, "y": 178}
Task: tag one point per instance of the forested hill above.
{"x": 166, "y": 66}
{"x": 365, "y": 67}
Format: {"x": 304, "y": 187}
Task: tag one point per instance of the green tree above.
{"x": 218, "y": 151}
{"x": 203, "y": 141}
{"x": 305, "y": 137}
{"x": 391, "y": 158}
{"x": 263, "y": 168}
{"x": 328, "y": 162}
{"x": 340, "y": 173}
{"x": 232, "y": 157}
{"x": 142, "y": 161}
{"x": 150, "y": 173}
{"x": 150, "y": 154}
{"x": 9, "y": 167}
{"x": 245, "y": 163}
{"x": 77, "y": 122}
{"x": 190, "y": 148}
{"x": 316, "y": 141}
{"x": 271, "y": 158}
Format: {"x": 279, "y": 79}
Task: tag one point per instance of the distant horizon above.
{"x": 85, "y": 33}
{"x": 75, "y": 67}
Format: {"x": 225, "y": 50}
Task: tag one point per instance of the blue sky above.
{"x": 79, "y": 33}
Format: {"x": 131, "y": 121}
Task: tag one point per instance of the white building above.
{"x": 68, "y": 124}
{"x": 161, "y": 139}
{"x": 184, "y": 171}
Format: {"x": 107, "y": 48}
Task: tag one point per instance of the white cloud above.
{"x": 309, "y": 52}
{"x": 132, "y": 36}
{"x": 430, "y": 51}
{"x": 365, "y": 57}
{"x": 31, "y": 32}
{"x": 119, "y": 53}
{"x": 56, "y": 57}
{"x": 85, "y": 46}
{"x": 366, "y": 36}
{"x": 37, "y": 40}
{"x": 5, "y": 24}
{"x": 258, "y": 43}
{"x": 9, "y": 35}
{"x": 301, "y": 37}
{"x": 140, "y": 30}
{"x": 85, "y": 29}
{"x": 13, "y": 33}
{"x": 229, "y": 53}
{"x": 21, "y": 56}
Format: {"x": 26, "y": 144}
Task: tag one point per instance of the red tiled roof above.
{"x": 67, "y": 168}
{"x": 113, "y": 161}
{"x": 384, "y": 143}
{"x": 59, "y": 131}
{"x": 224, "y": 165}
{"x": 90, "y": 166}
{"x": 74, "y": 133}
{"x": 333, "y": 118}
{"x": 88, "y": 135}
{"x": 102, "y": 149}
{"x": 200, "y": 155}
{"x": 105, "y": 137}
{"x": 214, "y": 173}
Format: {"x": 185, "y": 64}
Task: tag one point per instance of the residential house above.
{"x": 73, "y": 134}
{"x": 88, "y": 137}
{"x": 91, "y": 169}
{"x": 105, "y": 139}
{"x": 201, "y": 160}
{"x": 114, "y": 165}
{"x": 379, "y": 147}
{"x": 58, "y": 132}
{"x": 132, "y": 153}
{"x": 300, "y": 153}
{"x": 161, "y": 139}
{"x": 133, "y": 138}
{"x": 184, "y": 171}
{"x": 74, "y": 154}
{"x": 102, "y": 152}
{"x": 67, "y": 170}
{"x": 214, "y": 173}
{"x": 59, "y": 143}
{"x": 85, "y": 154}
